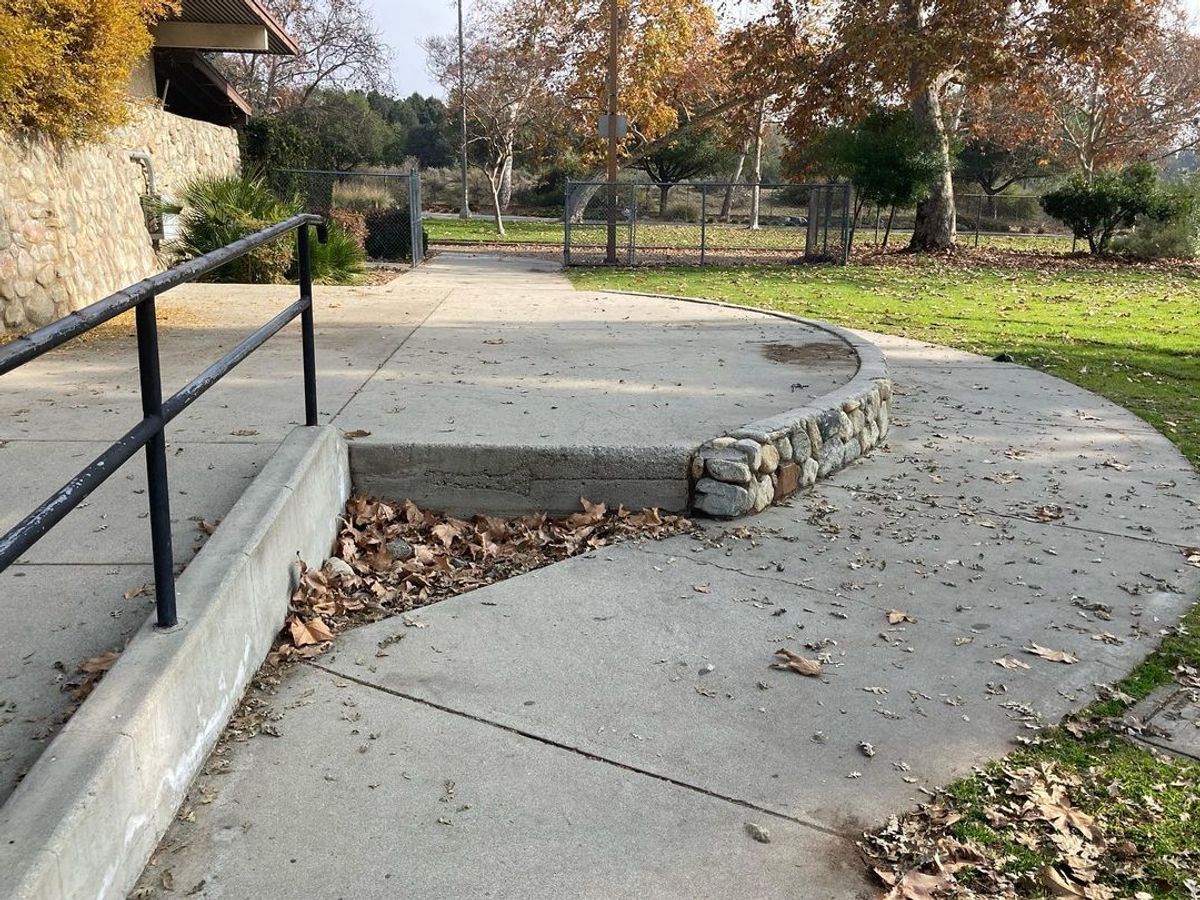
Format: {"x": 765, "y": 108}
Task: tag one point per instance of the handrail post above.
{"x": 307, "y": 331}
{"x": 157, "y": 485}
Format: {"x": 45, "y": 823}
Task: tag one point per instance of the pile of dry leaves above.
{"x": 391, "y": 558}
{"x": 1041, "y": 844}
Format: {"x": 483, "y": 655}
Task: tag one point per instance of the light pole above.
{"x": 464, "y": 211}
{"x": 614, "y": 27}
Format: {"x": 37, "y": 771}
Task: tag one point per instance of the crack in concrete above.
{"x": 415, "y": 328}
{"x": 586, "y": 754}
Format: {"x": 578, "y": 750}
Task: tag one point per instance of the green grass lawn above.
{"x": 1132, "y": 336}
{"x": 687, "y": 235}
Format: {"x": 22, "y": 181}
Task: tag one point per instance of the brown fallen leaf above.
{"x": 1191, "y": 555}
{"x": 1062, "y": 656}
{"x": 356, "y": 433}
{"x": 100, "y": 663}
{"x": 140, "y": 591}
{"x": 918, "y": 886}
{"x": 701, "y": 588}
{"x": 1009, "y": 662}
{"x": 302, "y": 635}
{"x": 208, "y": 526}
{"x": 318, "y": 629}
{"x": 797, "y": 663}
{"x": 895, "y": 617}
{"x": 1059, "y": 885}
{"x": 1051, "y": 512}
{"x": 592, "y": 513}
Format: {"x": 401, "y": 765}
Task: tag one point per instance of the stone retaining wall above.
{"x": 762, "y": 463}
{"x": 71, "y": 224}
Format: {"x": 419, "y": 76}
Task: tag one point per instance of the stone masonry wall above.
{"x": 760, "y": 464}
{"x": 71, "y": 223}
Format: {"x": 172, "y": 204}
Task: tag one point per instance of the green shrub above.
{"x": 1175, "y": 237}
{"x": 1096, "y": 209}
{"x": 219, "y": 211}
{"x": 1159, "y": 240}
{"x": 340, "y": 260}
{"x": 389, "y": 235}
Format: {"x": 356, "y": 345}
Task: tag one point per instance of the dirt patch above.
{"x": 814, "y": 353}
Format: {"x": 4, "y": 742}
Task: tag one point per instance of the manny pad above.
{"x": 611, "y": 725}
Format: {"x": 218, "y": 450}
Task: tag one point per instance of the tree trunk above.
{"x": 727, "y": 203}
{"x": 663, "y": 190}
{"x": 934, "y": 228}
{"x": 506, "y": 184}
{"x": 581, "y": 196}
{"x": 887, "y": 232}
{"x": 494, "y": 179}
{"x": 756, "y": 191}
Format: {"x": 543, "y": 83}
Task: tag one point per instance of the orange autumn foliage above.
{"x": 65, "y": 64}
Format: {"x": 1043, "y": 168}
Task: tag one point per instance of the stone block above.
{"x": 783, "y": 444}
{"x": 764, "y": 492}
{"x": 801, "y": 445}
{"x": 787, "y": 480}
{"x": 716, "y": 498}
{"x": 808, "y": 473}
{"x": 852, "y": 451}
{"x": 829, "y": 424}
{"x": 832, "y": 454}
{"x": 734, "y": 471}
{"x": 752, "y": 451}
{"x": 768, "y": 459}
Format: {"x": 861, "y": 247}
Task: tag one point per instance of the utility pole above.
{"x": 614, "y": 29}
{"x": 464, "y": 211}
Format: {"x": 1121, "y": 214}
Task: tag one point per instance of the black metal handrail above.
{"x": 157, "y": 412}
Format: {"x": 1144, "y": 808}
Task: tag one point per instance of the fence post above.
{"x": 156, "y": 465}
{"x": 847, "y": 226}
{"x": 414, "y": 217}
{"x": 307, "y": 331}
{"x": 567, "y": 224}
{"x": 703, "y": 220}
{"x": 632, "y": 256}
{"x": 978, "y": 216}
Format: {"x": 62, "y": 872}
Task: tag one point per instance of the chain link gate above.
{"x": 382, "y": 210}
{"x": 707, "y": 223}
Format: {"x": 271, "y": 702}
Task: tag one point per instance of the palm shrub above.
{"x": 219, "y": 211}
{"x": 340, "y": 260}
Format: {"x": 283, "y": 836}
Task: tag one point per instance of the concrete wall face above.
{"x": 71, "y": 223}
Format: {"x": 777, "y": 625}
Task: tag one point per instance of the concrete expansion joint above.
{"x": 586, "y": 754}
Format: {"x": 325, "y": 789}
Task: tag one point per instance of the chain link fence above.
{"x": 381, "y": 209}
{"x": 999, "y": 221}
{"x": 706, "y": 223}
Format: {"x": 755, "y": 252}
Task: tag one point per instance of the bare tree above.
{"x": 513, "y": 52}
{"x": 1146, "y": 105}
{"x": 339, "y": 48}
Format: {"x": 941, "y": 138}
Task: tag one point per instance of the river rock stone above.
{"x": 768, "y": 458}
{"x": 717, "y": 498}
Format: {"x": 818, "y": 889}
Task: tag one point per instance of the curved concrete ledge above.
{"x": 760, "y": 463}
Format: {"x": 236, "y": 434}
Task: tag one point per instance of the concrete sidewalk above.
{"x": 608, "y": 726}
{"x": 466, "y": 349}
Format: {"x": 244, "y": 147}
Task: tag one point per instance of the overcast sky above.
{"x": 405, "y": 22}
